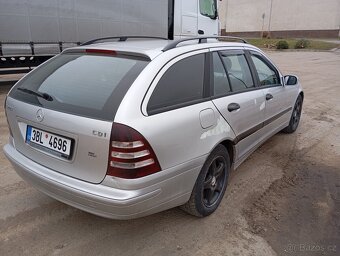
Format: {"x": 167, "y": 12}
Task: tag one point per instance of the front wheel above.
{"x": 295, "y": 118}
{"x": 210, "y": 184}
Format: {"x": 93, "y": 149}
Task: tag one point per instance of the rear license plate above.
{"x": 48, "y": 140}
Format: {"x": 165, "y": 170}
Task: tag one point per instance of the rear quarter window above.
{"x": 182, "y": 84}
{"x": 82, "y": 84}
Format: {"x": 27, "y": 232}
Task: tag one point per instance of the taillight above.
{"x": 130, "y": 154}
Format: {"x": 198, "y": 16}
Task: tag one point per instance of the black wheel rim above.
{"x": 297, "y": 113}
{"x": 214, "y": 181}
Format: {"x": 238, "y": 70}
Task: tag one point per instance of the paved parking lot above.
{"x": 284, "y": 200}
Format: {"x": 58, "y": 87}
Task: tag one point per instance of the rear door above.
{"x": 236, "y": 97}
{"x": 69, "y": 131}
{"x": 180, "y": 115}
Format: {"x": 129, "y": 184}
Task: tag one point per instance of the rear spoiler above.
{"x": 84, "y": 50}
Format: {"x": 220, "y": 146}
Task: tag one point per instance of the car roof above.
{"x": 151, "y": 48}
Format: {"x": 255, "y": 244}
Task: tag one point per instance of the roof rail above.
{"x": 201, "y": 39}
{"x": 122, "y": 38}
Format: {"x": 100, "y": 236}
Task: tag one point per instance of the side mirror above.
{"x": 291, "y": 80}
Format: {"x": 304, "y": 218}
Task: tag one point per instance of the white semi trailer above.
{"x": 32, "y": 31}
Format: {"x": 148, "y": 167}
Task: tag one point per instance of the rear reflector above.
{"x": 131, "y": 155}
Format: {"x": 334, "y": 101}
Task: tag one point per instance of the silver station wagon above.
{"x": 127, "y": 127}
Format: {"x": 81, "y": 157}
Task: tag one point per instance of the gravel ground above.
{"x": 284, "y": 200}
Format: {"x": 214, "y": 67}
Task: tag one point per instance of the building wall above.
{"x": 312, "y": 18}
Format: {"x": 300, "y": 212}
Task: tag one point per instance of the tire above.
{"x": 295, "y": 118}
{"x": 210, "y": 185}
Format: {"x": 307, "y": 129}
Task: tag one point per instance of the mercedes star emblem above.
{"x": 40, "y": 115}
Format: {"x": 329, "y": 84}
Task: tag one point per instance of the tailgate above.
{"x": 89, "y": 140}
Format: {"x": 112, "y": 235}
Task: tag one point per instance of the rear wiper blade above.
{"x": 43, "y": 95}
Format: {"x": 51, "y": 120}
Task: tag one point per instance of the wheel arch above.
{"x": 302, "y": 95}
{"x": 230, "y": 146}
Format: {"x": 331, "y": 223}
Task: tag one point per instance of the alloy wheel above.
{"x": 297, "y": 113}
{"x": 214, "y": 181}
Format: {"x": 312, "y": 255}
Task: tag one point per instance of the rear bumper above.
{"x": 104, "y": 200}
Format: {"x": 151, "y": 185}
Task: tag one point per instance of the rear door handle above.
{"x": 269, "y": 96}
{"x": 233, "y": 107}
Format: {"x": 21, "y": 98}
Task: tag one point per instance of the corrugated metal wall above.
{"x": 80, "y": 20}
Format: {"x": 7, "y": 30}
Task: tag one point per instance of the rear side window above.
{"x": 238, "y": 71}
{"x": 181, "y": 84}
{"x": 85, "y": 85}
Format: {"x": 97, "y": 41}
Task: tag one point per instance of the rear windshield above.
{"x": 85, "y": 85}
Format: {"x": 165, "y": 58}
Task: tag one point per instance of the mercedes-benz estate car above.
{"x": 127, "y": 128}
